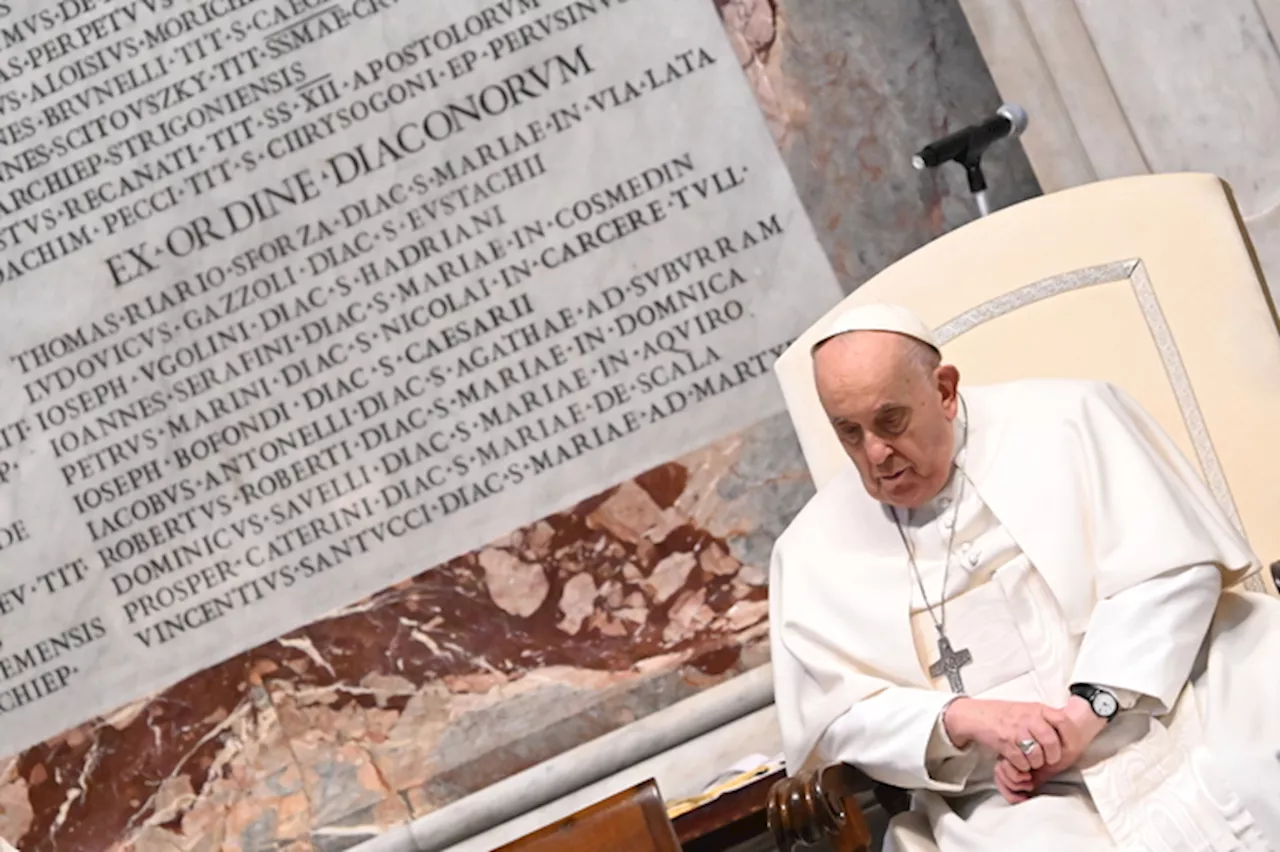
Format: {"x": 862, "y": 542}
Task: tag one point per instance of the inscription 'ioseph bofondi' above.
{"x": 300, "y": 298}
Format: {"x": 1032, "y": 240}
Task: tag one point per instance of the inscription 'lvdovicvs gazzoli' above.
{"x": 299, "y": 298}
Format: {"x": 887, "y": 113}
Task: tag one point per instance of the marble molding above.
{"x": 577, "y": 624}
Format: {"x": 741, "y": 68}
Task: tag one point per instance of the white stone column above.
{"x": 1139, "y": 86}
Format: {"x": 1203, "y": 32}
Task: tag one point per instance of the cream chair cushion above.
{"x": 1147, "y": 282}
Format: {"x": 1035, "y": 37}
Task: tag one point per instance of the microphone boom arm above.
{"x": 966, "y": 147}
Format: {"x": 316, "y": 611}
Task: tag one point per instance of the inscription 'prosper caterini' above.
{"x": 301, "y": 297}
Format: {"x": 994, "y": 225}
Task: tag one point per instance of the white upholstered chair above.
{"x": 1147, "y": 282}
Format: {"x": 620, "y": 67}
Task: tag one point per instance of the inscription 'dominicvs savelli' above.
{"x": 300, "y": 298}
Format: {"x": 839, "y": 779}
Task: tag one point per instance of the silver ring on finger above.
{"x": 1027, "y": 746}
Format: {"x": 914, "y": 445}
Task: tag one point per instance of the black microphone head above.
{"x": 1017, "y": 117}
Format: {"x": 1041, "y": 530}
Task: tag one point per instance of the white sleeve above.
{"x": 896, "y": 737}
{"x": 1144, "y": 640}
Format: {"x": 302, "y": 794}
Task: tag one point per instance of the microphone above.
{"x": 966, "y": 146}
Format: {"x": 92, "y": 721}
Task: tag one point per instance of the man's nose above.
{"x": 878, "y": 451}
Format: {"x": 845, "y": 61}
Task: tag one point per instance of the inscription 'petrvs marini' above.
{"x": 298, "y": 299}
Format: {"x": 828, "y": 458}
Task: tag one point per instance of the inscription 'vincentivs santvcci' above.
{"x": 298, "y": 300}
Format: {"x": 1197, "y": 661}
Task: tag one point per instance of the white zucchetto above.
{"x": 881, "y": 317}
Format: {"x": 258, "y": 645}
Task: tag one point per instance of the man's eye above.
{"x": 853, "y": 434}
{"x": 894, "y": 423}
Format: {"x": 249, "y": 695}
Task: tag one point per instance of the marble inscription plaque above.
{"x": 301, "y": 297}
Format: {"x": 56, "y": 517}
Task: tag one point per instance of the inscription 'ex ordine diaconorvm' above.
{"x": 299, "y": 298}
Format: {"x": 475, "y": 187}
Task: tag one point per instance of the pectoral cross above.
{"x": 950, "y": 662}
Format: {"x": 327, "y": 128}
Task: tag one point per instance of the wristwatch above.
{"x": 1104, "y": 703}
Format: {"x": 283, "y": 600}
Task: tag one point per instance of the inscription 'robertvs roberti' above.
{"x": 301, "y": 297}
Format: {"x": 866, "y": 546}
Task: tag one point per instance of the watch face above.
{"x": 1104, "y": 704}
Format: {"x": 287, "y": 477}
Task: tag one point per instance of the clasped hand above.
{"x": 1061, "y": 736}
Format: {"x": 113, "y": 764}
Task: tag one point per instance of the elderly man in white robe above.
{"x": 1012, "y": 605}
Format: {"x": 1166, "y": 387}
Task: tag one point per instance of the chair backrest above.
{"x": 1147, "y": 282}
{"x": 634, "y": 820}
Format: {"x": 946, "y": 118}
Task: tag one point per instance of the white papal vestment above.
{"x": 851, "y": 677}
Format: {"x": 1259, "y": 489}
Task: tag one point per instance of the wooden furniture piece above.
{"x": 751, "y": 813}
{"x": 821, "y": 805}
{"x": 730, "y": 819}
{"x": 634, "y": 820}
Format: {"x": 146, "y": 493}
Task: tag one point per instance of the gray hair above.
{"x": 923, "y": 356}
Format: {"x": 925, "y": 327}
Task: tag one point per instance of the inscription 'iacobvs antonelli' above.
{"x": 300, "y": 298}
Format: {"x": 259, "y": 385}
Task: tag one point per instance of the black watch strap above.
{"x": 1103, "y": 702}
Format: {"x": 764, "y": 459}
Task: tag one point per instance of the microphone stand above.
{"x": 977, "y": 183}
{"x": 971, "y": 159}
{"x": 970, "y": 156}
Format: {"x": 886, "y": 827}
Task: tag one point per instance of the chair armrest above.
{"x": 821, "y": 804}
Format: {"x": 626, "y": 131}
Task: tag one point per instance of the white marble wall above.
{"x": 1146, "y": 86}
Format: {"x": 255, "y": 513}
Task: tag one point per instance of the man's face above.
{"x": 892, "y": 411}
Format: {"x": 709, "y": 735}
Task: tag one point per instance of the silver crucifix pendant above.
{"x": 949, "y": 663}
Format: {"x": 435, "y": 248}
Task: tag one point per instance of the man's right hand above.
{"x": 1001, "y": 725}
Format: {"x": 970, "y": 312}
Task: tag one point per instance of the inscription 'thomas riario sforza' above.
{"x": 299, "y": 298}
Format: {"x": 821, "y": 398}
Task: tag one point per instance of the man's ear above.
{"x": 948, "y": 379}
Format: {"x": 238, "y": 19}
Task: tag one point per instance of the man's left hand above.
{"x": 1076, "y": 732}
